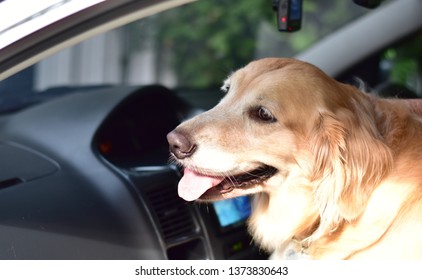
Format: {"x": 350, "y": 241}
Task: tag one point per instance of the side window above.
{"x": 395, "y": 71}
{"x": 401, "y": 65}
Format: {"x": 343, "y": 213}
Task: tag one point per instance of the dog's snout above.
{"x": 180, "y": 146}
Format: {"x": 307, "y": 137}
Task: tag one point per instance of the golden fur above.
{"x": 349, "y": 165}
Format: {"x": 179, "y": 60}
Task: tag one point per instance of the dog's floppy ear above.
{"x": 350, "y": 160}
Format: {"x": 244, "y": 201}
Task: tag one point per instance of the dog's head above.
{"x": 283, "y": 122}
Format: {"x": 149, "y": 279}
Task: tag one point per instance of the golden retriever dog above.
{"x": 336, "y": 172}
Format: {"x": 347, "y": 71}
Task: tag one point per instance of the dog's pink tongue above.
{"x": 193, "y": 185}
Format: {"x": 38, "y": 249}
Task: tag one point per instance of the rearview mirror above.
{"x": 289, "y": 14}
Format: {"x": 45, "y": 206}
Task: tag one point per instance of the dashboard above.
{"x": 134, "y": 133}
{"x": 86, "y": 176}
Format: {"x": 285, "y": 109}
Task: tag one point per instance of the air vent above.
{"x": 173, "y": 214}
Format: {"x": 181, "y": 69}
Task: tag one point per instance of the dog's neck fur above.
{"x": 387, "y": 115}
{"x": 296, "y": 239}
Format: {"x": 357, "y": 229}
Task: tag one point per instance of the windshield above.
{"x": 193, "y": 46}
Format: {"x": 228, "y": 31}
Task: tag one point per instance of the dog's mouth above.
{"x": 194, "y": 185}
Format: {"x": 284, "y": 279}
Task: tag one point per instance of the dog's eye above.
{"x": 262, "y": 114}
{"x": 265, "y": 114}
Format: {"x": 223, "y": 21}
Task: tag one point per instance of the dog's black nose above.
{"x": 180, "y": 146}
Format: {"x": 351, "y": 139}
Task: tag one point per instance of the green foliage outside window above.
{"x": 210, "y": 38}
{"x": 406, "y": 63}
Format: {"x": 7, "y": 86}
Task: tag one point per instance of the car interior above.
{"x": 84, "y": 161}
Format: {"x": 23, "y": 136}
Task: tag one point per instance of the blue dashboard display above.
{"x": 232, "y": 211}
